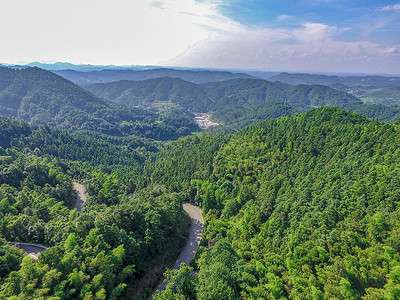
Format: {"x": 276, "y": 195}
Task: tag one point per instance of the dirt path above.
{"x": 80, "y": 195}
{"x": 192, "y": 244}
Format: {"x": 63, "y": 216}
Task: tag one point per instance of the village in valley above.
{"x": 203, "y": 121}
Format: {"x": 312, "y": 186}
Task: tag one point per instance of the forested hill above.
{"x": 218, "y": 95}
{"x": 40, "y": 96}
{"x": 256, "y": 91}
{"x": 195, "y": 76}
{"x": 101, "y": 252}
{"x": 158, "y": 92}
{"x": 370, "y": 81}
{"x": 301, "y": 207}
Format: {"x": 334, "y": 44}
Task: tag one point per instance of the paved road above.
{"x": 34, "y": 250}
{"x": 80, "y": 195}
{"x": 192, "y": 244}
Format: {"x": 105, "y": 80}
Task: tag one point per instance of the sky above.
{"x": 358, "y": 36}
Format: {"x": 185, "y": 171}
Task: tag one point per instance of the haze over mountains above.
{"x": 196, "y": 76}
{"x": 303, "y": 78}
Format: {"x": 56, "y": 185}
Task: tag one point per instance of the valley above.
{"x": 200, "y": 150}
{"x": 290, "y": 191}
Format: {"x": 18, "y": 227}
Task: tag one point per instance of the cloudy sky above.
{"x": 358, "y": 36}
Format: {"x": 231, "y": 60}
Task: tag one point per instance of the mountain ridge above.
{"x": 195, "y": 76}
{"x": 40, "y": 96}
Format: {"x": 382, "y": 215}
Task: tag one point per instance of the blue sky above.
{"x": 364, "y": 19}
{"x": 299, "y": 36}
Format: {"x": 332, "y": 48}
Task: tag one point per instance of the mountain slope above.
{"x": 156, "y": 92}
{"x": 40, "y": 96}
{"x": 370, "y": 81}
{"x": 218, "y": 95}
{"x": 303, "y": 207}
{"x": 256, "y": 92}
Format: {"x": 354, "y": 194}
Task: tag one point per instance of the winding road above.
{"x": 34, "y": 250}
{"x": 187, "y": 255}
{"x": 192, "y": 244}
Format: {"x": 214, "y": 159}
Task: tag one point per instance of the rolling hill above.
{"x": 41, "y": 96}
{"x": 158, "y": 92}
{"x": 216, "y": 95}
{"x": 236, "y": 102}
{"x": 304, "y": 78}
{"x": 370, "y": 89}
{"x": 256, "y": 92}
{"x": 303, "y": 207}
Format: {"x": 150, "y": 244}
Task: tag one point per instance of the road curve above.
{"x": 31, "y": 250}
{"x": 192, "y": 244}
{"x": 34, "y": 250}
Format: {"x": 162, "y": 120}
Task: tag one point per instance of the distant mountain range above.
{"x": 237, "y": 102}
{"x": 40, "y": 96}
{"x": 370, "y": 89}
{"x": 366, "y": 81}
{"x": 163, "y": 107}
{"x": 57, "y": 66}
{"x": 195, "y": 76}
{"x": 216, "y": 95}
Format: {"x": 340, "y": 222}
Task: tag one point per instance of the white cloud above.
{"x": 310, "y": 32}
{"x": 390, "y": 7}
{"x": 392, "y": 50}
{"x": 175, "y": 32}
{"x": 101, "y": 31}
{"x": 310, "y": 47}
{"x": 283, "y": 18}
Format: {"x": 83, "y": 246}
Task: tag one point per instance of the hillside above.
{"x": 103, "y": 250}
{"x": 300, "y": 207}
{"x": 213, "y": 96}
{"x": 304, "y": 78}
{"x": 255, "y": 92}
{"x": 195, "y": 76}
{"x": 40, "y": 96}
{"x": 370, "y": 89}
{"x": 158, "y": 93}
{"x": 303, "y": 206}
{"x": 110, "y": 244}
{"x": 235, "y": 103}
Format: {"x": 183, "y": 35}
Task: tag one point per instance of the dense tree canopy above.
{"x": 301, "y": 207}
{"x": 43, "y": 97}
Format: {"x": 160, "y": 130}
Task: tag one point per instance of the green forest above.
{"x": 298, "y": 202}
{"x": 301, "y": 207}
{"x": 99, "y": 253}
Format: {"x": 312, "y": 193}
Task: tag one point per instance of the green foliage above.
{"x": 302, "y": 207}
{"x": 43, "y": 97}
{"x": 180, "y": 284}
{"x": 153, "y": 93}
{"x": 102, "y": 250}
{"x": 35, "y": 194}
